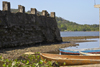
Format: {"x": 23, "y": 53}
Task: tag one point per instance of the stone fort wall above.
{"x": 19, "y": 29}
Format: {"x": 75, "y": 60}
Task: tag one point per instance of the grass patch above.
{"x": 25, "y": 61}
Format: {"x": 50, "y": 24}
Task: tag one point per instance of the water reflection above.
{"x": 87, "y": 44}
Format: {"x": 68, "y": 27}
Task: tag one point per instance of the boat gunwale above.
{"x": 67, "y": 58}
{"x": 75, "y": 53}
{"x": 80, "y": 49}
{"x": 88, "y": 54}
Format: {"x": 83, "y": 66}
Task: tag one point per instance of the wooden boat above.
{"x": 64, "y": 60}
{"x": 88, "y": 54}
{"x": 76, "y": 51}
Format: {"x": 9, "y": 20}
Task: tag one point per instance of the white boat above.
{"x": 88, "y": 54}
{"x": 76, "y": 51}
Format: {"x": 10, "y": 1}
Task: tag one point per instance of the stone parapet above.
{"x": 19, "y": 29}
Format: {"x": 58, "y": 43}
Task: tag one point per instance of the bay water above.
{"x": 78, "y": 33}
{"x": 83, "y": 45}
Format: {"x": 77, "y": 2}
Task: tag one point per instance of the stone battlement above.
{"x": 21, "y": 9}
{"x": 19, "y": 29}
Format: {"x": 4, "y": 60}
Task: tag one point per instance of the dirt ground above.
{"x": 15, "y": 52}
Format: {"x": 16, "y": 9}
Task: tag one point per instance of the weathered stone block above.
{"x": 6, "y": 6}
{"x": 44, "y": 12}
{"x": 53, "y": 14}
{"x": 21, "y": 8}
{"x": 33, "y": 11}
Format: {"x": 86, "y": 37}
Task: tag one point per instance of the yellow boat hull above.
{"x": 64, "y": 60}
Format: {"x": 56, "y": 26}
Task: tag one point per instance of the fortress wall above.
{"x": 17, "y": 29}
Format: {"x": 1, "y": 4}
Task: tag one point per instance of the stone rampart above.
{"x": 17, "y": 29}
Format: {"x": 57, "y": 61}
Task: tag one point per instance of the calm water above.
{"x": 87, "y": 44}
{"x": 83, "y": 44}
{"x": 78, "y": 33}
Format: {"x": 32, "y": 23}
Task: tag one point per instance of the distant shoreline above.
{"x": 79, "y": 31}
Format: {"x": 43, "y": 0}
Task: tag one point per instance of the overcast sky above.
{"x": 79, "y": 11}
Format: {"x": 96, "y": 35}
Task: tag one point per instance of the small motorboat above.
{"x": 76, "y": 51}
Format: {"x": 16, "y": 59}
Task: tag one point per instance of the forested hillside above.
{"x": 65, "y": 25}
